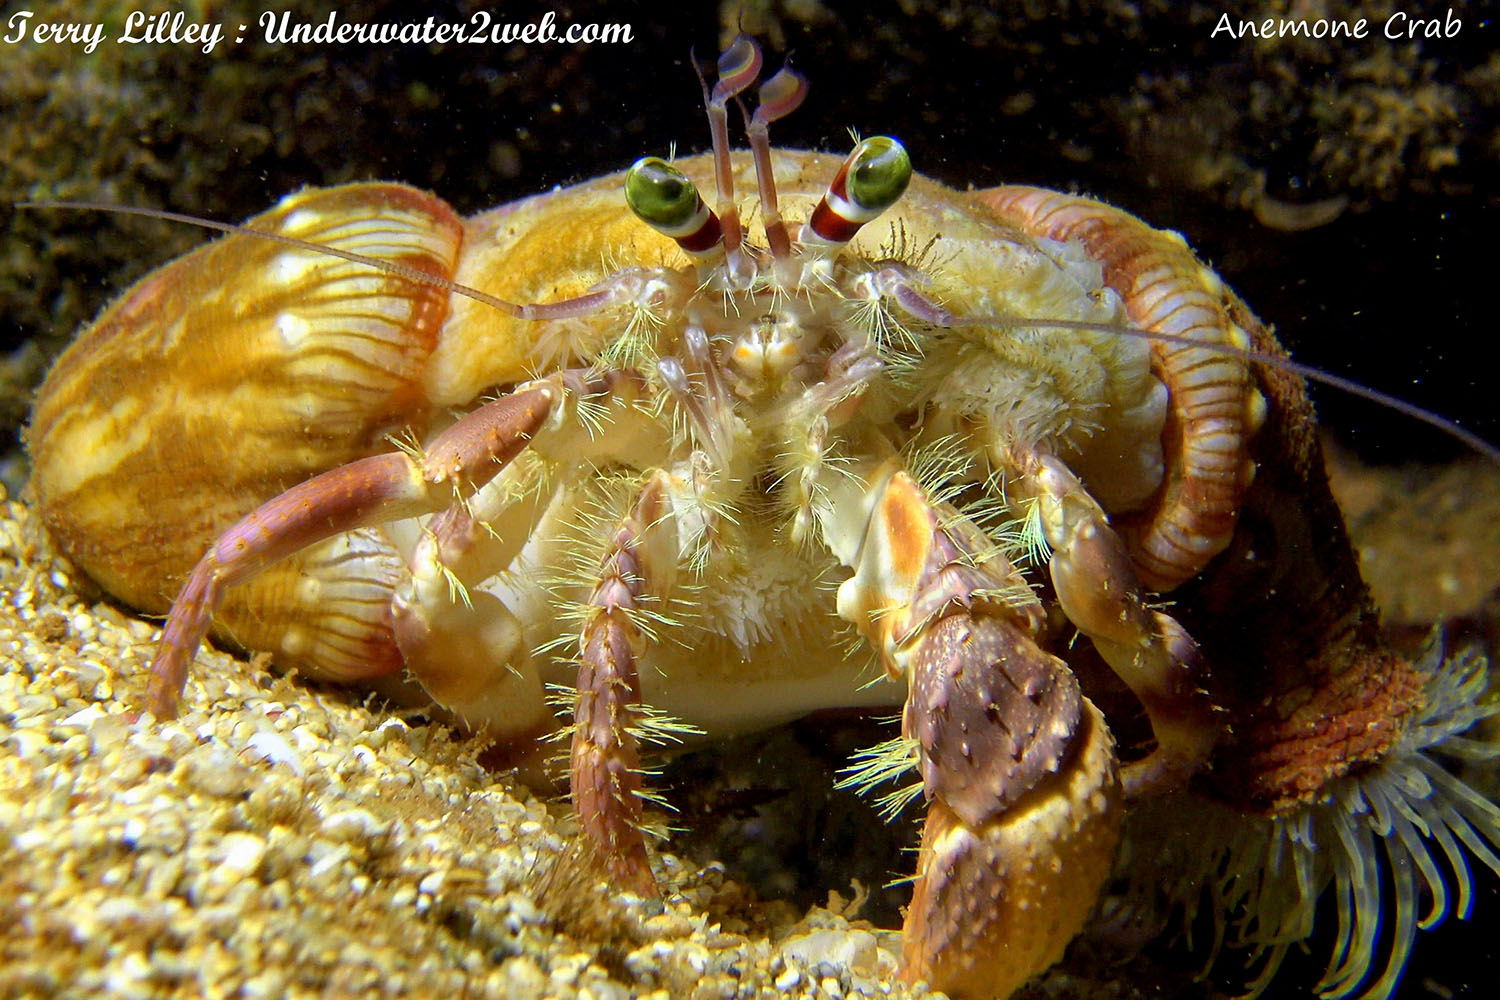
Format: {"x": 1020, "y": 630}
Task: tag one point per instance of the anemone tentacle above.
{"x": 1380, "y": 839}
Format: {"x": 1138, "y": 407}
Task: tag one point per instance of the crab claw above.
{"x": 1024, "y": 814}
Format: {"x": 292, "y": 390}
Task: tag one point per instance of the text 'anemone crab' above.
{"x": 711, "y": 461}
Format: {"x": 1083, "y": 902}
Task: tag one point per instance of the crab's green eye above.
{"x": 663, "y": 198}
{"x": 879, "y": 171}
{"x": 870, "y": 180}
{"x": 661, "y": 195}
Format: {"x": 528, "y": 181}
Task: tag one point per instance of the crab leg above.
{"x": 1017, "y": 766}
{"x": 1216, "y": 406}
{"x": 605, "y": 763}
{"x": 465, "y": 646}
{"x": 370, "y": 491}
{"x": 1019, "y": 772}
{"x": 1099, "y": 592}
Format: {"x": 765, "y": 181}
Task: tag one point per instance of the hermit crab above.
{"x": 890, "y": 452}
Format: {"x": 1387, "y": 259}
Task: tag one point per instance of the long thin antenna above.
{"x": 1353, "y": 388}
{"x": 585, "y": 303}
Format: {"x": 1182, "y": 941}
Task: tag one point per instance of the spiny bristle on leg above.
{"x": 654, "y": 727}
{"x": 1399, "y": 822}
{"x": 1033, "y": 538}
{"x": 892, "y": 340}
{"x": 636, "y": 344}
{"x": 943, "y": 466}
{"x": 887, "y": 761}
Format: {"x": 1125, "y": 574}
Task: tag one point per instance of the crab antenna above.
{"x": 779, "y": 97}
{"x": 738, "y": 67}
{"x": 872, "y": 179}
{"x": 604, "y": 294}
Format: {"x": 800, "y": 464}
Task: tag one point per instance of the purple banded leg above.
{"x": 464, "y": 645}
{"x": 605, "y": 763}
{"x": 369, "y": 491}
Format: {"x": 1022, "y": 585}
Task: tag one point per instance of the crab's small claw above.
{"x": 1024, "y": 813}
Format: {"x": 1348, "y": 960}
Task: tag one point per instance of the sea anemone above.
{"x": 1379, "y": 837}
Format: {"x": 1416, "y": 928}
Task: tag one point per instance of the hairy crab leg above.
{"x": 605, "y": 762}
{"x": 1018, "y": 768}
{"x": 369, "y": 491}
{"x": 464, "y": 644}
